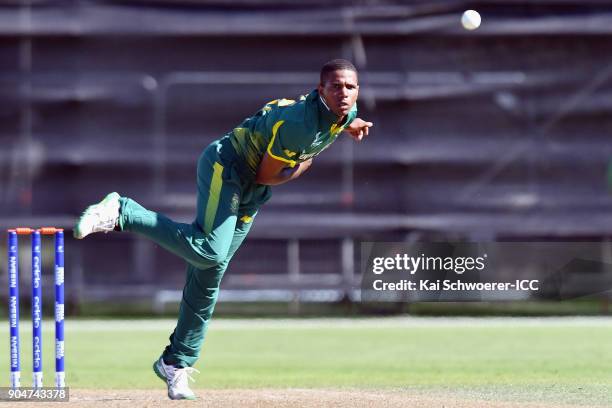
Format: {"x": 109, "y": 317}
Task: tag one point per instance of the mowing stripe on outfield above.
{"x": 332, "y": 323}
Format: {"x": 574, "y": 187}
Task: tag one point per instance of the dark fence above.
{"x": 500, "y": 133}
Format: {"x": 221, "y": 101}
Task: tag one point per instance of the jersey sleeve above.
{"x": 351, "y": 115}
{"x": 287, "y": 142}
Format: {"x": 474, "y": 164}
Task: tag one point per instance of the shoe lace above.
{"x": 183, "y": 375}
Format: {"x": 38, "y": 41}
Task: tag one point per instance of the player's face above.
{"x": 340, "y": 91}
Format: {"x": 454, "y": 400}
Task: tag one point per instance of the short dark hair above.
{"x": 336, "y": 65}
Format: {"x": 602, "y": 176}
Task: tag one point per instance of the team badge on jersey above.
{"x": 235, "y": 203}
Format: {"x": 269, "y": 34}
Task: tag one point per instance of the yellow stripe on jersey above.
{"x": 213, "y": 198}
{"x": 281, "y": 102}
{"x": 335, "y": 129}
{"x": 278, "y": 124}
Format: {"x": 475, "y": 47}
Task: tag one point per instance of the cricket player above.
{"x": 234, "y": 175}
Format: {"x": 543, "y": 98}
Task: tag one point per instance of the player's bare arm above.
{"x": 273, "y": 172}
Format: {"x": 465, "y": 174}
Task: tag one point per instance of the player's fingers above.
{"x": 369, "y": 124}
{"x": 366, "y": 131}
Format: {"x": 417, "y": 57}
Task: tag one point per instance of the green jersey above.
{"x": 290, "y": 131}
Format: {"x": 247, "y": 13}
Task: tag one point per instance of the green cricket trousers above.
{"x": 227, "y": 203}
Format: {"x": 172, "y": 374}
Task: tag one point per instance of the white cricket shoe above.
{"x": 176, "y": 378}
{"x": 101, "y": 217}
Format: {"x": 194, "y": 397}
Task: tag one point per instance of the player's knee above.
{"x": 211, "y": 259}
{"x": 218, "y": 257}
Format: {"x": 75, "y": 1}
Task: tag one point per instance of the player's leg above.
{"x": 188, "y": 241}
{"x": 218, "y": 201}
{"x": 197, "y": 305}
{"x": 203, "y": 244}
{"x": 202, "y": 287}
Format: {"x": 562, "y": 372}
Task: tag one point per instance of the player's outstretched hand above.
{"x": 359, "y": 128}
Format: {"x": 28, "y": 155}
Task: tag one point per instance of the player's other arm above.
{"x": 272, "y": 171}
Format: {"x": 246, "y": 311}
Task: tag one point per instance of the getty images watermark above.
{"x": 450, "y": 271}
{"x": 458, "y": 265}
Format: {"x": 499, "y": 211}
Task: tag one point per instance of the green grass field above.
{"x": 552, "y": 360}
